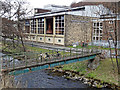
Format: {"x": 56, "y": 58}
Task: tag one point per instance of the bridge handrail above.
{"x": 36, "y": 57}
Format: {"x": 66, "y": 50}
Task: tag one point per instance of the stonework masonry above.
{"x": 77, "y": 29}
{"x": 107, "y": 27}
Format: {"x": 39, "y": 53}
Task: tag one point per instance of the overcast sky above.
{"x": 41, "y": 3}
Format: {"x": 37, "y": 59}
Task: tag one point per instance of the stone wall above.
{"x": 107, "y": 27}
{"x": 77, "y": 29}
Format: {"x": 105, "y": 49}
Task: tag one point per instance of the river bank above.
{"x": 78, "y": 72}
{"x": 43, "y": 79}
{"x": 102, "y": 77}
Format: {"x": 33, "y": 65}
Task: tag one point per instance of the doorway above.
{"x": 49, "y": 25}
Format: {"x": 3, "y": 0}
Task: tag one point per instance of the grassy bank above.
{"x": 104, "y": 72}
{"x": 7, "y": 48}
{"x": 93, "y": 47}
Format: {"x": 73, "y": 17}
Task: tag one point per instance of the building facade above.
{"x": 105, "y": 28}
{"x": 58, "y": 25}
{"x": 59, "y": 29}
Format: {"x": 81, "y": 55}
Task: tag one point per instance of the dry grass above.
{"x": 104, "y": 72}
{"x": 8, "y": 81}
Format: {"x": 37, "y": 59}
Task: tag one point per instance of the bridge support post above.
{"x": 49, "y": 66}
{"x": 30, "y": 70}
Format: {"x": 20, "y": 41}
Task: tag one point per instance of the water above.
{"x": 45, "y": 79}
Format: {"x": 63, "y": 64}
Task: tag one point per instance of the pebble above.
{"x": 89, "y": 81}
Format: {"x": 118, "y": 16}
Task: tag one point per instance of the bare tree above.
{"x": 112, "y": 13}
{"x": 16, "y": 10}
{"x": 111, "y": 9}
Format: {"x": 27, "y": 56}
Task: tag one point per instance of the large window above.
{"x": 59, "y": 25}
{"x": 41, "y": 26}
{"x": 97, "y": 30}
{"x": 33, "y": 26}
{"x": 27, "y": 26}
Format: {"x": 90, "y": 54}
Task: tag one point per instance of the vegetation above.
{"x": 13, "y": 12}
{"x": 104, "y": 72}
{"x": 91, "y": 47}
{"x": 18, "y": 49}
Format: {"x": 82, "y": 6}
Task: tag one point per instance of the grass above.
{"x": 92, "y": 47}
{"x": 36, "y": 49}
{"x": 104, "y": 72}
{"x": 78, "y": 67}
{"x": 19, "y": 49}
{"x": 11, "y": 49}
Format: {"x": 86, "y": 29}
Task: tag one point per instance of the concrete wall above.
{"x": 77, "y": 29}
{"x": 59, "y": 40}
{"x": 55, "y": 40}
{"x": 40, "y": 38}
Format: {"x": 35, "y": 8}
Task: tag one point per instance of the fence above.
{"x": 25, "y": 59}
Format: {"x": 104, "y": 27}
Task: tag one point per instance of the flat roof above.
{"x": 61, "y": 12}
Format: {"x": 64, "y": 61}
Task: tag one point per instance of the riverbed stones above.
{"x": 86, "y": 80}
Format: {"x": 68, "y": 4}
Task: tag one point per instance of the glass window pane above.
{"x": 59, "y": 25}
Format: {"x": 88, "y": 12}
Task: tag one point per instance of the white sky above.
{"x": 41, "y": 3}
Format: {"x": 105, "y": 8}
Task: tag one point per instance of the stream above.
{"x": 44, "y": 79}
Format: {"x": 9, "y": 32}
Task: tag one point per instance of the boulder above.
{"x": 94, "y": 63}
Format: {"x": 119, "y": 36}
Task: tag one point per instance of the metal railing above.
{"x": 25, "y": 59}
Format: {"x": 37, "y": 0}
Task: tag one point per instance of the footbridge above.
{"x": 18, "y": 63}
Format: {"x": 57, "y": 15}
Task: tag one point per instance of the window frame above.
{"x": 33, "y": 26}
{"x": 40, "y": 25}
{"x": 59, "y": 25}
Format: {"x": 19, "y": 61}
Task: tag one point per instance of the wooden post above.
{"x": 63, "y": 54}
{"x": 82, "y": 51}
{"x": 76, "y": 51}
{"x": 13, "y": 62}
{"x": 36, "y": 55}
{"x": 8, "y": 60}
{"x": 42, "y": 56}
{"x": 49, "y": 54}
{"x": 70, "y": 52}
{"x": 26, "y": 60}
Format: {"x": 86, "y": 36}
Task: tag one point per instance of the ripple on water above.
{"x": 43, "y": 79}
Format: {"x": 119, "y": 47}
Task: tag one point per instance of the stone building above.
{"x": 63, "y": 25}
{"x": 107, "y": 20}
{"x": 105, "y": 28}
{"x": 58, "y": 28}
